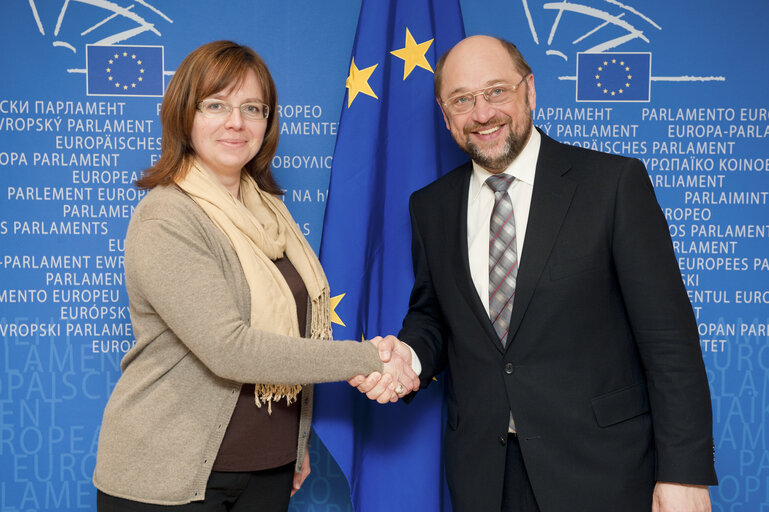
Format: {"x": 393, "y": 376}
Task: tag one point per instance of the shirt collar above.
{"x": 522, "y": 168}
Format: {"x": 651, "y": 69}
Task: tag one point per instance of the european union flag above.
{"x": 613, "y": 76}
{"x": 392, "y": 140}
{"x": 124, "y": 70}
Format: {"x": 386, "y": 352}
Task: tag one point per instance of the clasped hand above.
{"x": 397, "y": 379}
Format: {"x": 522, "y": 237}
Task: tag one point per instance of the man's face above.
{"x": 492, "y": 134}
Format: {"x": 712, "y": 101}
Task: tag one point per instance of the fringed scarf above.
{"x": 261, "y": 230}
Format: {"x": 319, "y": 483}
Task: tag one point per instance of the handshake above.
{"x": 397, "y": 380}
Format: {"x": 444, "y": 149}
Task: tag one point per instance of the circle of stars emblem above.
{"x": 616, "y": 72}
{"x": 129, "y": 65}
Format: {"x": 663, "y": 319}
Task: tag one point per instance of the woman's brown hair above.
{"x": 211, "y": 68}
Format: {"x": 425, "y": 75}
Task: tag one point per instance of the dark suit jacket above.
{"x": 602, "y": 371}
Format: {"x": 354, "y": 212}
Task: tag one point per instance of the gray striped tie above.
{"x": 503, "y": 256}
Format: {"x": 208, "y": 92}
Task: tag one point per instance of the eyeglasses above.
{"x": 249, "y": 111}
{"x": 497, "y": 94}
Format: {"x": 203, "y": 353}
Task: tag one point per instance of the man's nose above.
{"x": 483, "y": 110}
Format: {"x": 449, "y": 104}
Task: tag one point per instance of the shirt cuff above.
{"x": 415, "y": 364}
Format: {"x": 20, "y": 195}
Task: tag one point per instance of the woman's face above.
{"x": 224, "y": 144}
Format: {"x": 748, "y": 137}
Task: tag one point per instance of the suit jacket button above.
{"x": 503, "y": 440}
{"x": 509, "y": 368}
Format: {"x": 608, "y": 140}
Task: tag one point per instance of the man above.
{"x": 552, "y": 296}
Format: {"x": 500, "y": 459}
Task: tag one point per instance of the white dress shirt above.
{"x": 480, "y": 202}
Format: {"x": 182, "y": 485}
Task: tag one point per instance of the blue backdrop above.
{"x": 72, "y": 142}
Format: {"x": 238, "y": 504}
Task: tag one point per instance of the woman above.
{"x": 222, "y": 288}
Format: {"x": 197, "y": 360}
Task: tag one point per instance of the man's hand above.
{"x": 669, "y": 497}
{"x": 399, "y": 378}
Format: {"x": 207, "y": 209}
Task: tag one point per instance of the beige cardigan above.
{"x": 189, "y": 305}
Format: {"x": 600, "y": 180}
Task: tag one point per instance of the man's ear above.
{"x": 531, "y": 92}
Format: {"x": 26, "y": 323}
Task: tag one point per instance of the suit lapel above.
{"x": 550, "y": 201}
{"x": 456, "y": 236}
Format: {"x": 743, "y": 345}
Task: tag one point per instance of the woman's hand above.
{"x": 300, "y": 477}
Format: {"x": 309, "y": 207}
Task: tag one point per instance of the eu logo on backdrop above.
{"x": 124, "y": 70}
{"x": 613, "y": 76}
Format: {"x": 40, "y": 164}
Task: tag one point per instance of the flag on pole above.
{"x": 392, "y": 141}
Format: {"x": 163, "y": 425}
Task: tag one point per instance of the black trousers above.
{"x": 517, "y": 494}
{"x": 267, "y": 490}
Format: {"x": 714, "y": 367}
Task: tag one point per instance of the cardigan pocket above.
{"x": 620, "y": 405}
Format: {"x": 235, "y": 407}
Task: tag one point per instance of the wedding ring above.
{"x": 399, "y": 390}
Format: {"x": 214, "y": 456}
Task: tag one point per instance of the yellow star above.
{"x": 413, "y": 55}
{"x": 334, "y": 303}
{"x": 357, "y": 82}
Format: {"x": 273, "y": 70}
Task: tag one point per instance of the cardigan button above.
{"x": 509, "y": 368}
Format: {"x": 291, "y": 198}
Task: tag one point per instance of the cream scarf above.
{"x": 261, "y": 230}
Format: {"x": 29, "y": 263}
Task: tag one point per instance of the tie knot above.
{"x": 499, "y": 182}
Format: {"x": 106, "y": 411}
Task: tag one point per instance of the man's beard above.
{"x": 512, "y": 147}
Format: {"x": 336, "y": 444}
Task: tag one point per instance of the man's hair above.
{"x": 519, "y": 63}
{"x": 212, "y": 68}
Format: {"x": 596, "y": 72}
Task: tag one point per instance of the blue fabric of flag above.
{"x": 612, "y": 76}
{"x": 124, "y": 70}
{"x": 392, "y": 141}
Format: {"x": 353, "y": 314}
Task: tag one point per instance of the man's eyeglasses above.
{"x": 249, "y": 111}
{"x": 497, "y": 94}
